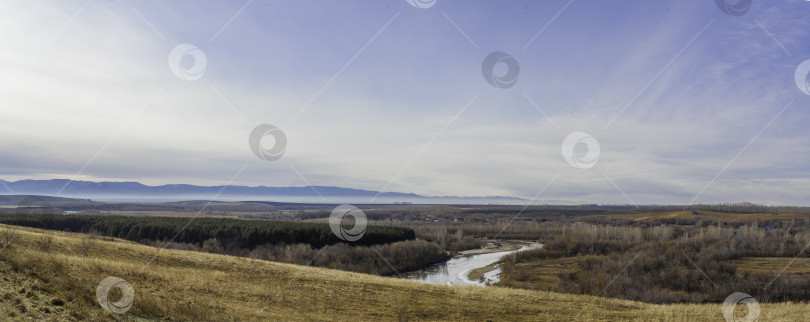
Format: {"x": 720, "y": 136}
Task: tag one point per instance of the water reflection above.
{"x": 455, "y": 270}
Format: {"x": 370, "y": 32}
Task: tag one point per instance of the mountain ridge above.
{"x": 133, "y": 188}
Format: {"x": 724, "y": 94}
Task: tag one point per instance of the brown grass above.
{"x": 180, "y": 285}
{"x": 539, "y": 274}
{"x": 798, "y": 266}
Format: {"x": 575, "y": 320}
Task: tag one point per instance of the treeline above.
{"x": 245, "y": 234}
{"x": 747, "y": 207}
{"x": 385, "y": 259}
{"x": 467, "y": 232}
{"x": 388, "y": 259}
{"x": 663, "y": 264}
{"x": 734, "y": 207}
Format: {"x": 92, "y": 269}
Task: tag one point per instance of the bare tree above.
{"x": 87, "y": 242}
{"x": 7, "y": 237}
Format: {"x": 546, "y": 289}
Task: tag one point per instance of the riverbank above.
{"x": 479, "y": 274}
{"x": 472, "y": 267}
{"x": 496, "y": 246}
{"x": 492, "y": 246}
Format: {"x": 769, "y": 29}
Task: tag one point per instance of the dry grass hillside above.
{"x": 48, "y": 275}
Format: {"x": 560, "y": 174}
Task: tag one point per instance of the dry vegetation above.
{"x": 382, "y": 250}
{"x": 387, "y": 259}
{"x": 789, "y": 266}
{"x": 665, "y": 264}
{"x": 44, "y": 279}
{"x": 710, "y": 215}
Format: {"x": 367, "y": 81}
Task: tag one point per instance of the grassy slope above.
{"x": 193, "y": 286}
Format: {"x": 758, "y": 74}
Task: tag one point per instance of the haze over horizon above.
{"x": 135, "y": 191}
{"x": 694, "y": 106}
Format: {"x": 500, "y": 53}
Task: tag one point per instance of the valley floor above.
{"x": 48, "y": 275}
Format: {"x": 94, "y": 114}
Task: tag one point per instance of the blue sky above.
{"x": 687, "y": 103}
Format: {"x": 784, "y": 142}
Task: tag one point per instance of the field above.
{"x": 790, "y": 266}
{"x": 240, "y": 261}
{"x": 709, "y": 215}
{"x": 60, "y": 284}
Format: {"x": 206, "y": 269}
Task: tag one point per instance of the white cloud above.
{"x": 92, "y": 79}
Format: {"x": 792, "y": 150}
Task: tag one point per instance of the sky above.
{"x": 684, "y": 102}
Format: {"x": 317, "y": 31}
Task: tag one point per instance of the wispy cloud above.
{"x": 60, "y": 107}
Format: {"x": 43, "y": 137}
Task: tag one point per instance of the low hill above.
{"x": 138, "y": 191}
{"x": 39, "y": 201}
{"x": 47, "y": 275}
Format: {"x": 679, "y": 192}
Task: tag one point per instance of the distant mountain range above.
{"x": 102, "y": 190}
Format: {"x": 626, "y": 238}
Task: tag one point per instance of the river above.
{"x": 455, "y": 270}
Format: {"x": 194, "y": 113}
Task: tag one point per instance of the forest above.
{"x": 244, "y": 234}
{"x": 667, "y": 263}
